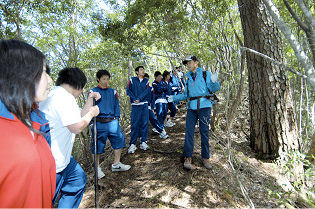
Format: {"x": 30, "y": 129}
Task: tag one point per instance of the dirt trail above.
{"x": 157, "y": 178}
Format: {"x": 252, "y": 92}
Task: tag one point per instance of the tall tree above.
{"x": 308, "y": 27}
{"x": 272, "y": 121}
{"x": 11, "y": 18}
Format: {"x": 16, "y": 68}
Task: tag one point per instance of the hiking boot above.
{"x": 163, "y": 135}
{"x": 144, "y": 146}
{"x": 120, "y": 167}
{"x": 100, "y": 173}
{"x": 187, "y": 164}
{"x": 132, "y": 148}
{"x": 206, "y": 163}
{"x": 154, "y": 130}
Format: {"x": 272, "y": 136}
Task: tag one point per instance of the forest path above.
{"x": 157, "y": 177}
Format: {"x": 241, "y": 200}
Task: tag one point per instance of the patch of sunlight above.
{"x": 152, "y": 193}
{"x": 121, "y": 202}
{"x": 211, "y": 198}
{"x": 215, "y": 158}
{"x": 183, "y": 201}
{"x": 190, "y": 189}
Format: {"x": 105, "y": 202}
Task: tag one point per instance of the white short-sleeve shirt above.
{"x": 61, "y": 110}
{"x": 180, "y": 74}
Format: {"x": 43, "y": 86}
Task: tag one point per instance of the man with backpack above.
{"x": 199, "y": 89}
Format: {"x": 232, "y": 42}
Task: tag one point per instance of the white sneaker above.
{"x": 171, "y": 122}
{"x": 154, "y": 130}
{"x": 144, "y": 146}
{"x": 100, "y": 173}
{"x": 163, "y": 135}
{"x": 120, "y": 167}
{"x": 132, "y": 148}
{"x": 168, "y": 124}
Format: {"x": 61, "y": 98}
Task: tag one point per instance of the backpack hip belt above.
{"x": 211, "y": 97}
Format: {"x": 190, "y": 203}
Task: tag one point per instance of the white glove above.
{"x": 170, "y": 99}
{"x": 214, "y": 77}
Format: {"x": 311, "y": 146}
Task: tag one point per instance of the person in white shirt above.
{"x": 181, "y": 77}
{"x": 65, "y": 120}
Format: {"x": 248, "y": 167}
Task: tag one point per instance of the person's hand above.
{"x": 137, "y": 101}
{"x": 214, "y": 77}
{"x": 95, "y": 110}
{"x": 170, "y": 98}
{"x": 95, "y": 95}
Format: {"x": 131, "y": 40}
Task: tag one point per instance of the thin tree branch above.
{"x": 235, "y": 33}
{"x": 296, "y": 46}
{"x": 274, "y": 61}
{"x": 295, "y": 17}
{"x": 309, "y": 17}
{"x": 164, "y": 56}
{"x": 230, "y": 153}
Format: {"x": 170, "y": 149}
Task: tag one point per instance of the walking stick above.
{"x": 95, "y": 161}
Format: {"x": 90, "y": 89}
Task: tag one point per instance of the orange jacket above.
{"x": 27, "y": 166}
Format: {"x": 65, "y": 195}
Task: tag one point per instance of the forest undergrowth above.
{"x": 157, "y": 177}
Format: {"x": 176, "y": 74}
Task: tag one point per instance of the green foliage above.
{"x": 289, "y": 163}
{"x": 282, "y": 196}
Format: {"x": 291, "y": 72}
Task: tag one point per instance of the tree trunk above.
{"x": 272, "y": 122}
{"x": 296, "y": 46}
{"x": 129, "y": 69}
{"x": 73, "y": 51}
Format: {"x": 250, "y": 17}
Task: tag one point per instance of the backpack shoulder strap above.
{"x": 187, "y": 88}
{"x": 204, "y": 75}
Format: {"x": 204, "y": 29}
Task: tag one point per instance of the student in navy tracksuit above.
{"x": 152, "y": 118}
{"x": 107, "y": 123}
{"x": 137, "y": 90}
{"x": 200, "y": 100}
{"x": 171, "y": 106}
{"x": 176, "y": 83}
{"x": 181, "y": 77}
{"x": 160, "y": 89}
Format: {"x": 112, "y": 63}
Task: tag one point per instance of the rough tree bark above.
{"x": 296, "y": 46}
{"x": 272, "y": 122}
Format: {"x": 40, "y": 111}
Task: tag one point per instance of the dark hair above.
{"x": 21, "y": 67}
{"x": 157, "y": 73}
{"x": 137, "y": 68}
{"x": 48, "y": 69}
{"x": 73, "y": 77}
{"x": 165, "y": 73}
{"x": 100, "y": 73}
{"x": 178, "y": 67}
{"x": 146, "y": 75}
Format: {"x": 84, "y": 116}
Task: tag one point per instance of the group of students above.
{"x": 165, "y": 92}
{"x": 38, "y": 125}
{"x": 144, "y": 99}
{"x": 38, "y": 128}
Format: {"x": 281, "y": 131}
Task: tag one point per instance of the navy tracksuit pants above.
{"x": 172, "y": 108}
{"x": 139, "y": 123}
{"x": 71, "y": 185}
{"x": 154, "y": 121}
{"x": 203, "y": 115}
{"x": 161, "y": 113}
